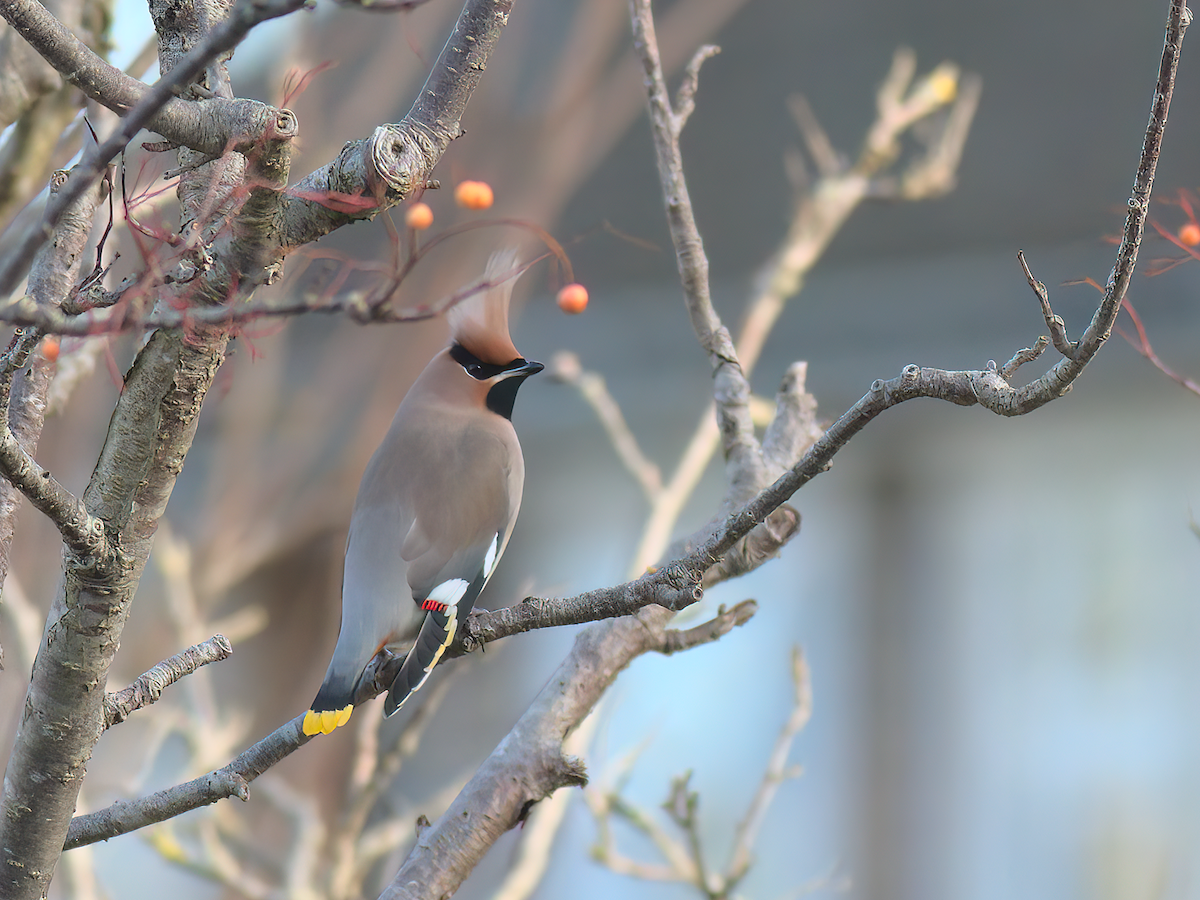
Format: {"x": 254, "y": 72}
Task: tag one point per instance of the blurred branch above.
{"x": 776, "y": 772}
{"x": 566, "y": 368}
{"x": 149, "y": 687}
{"x": 25, "y": 621}
{"x": 1143, "y": 346}
{"x": 821, "y": 209}
{"x": 683, "y": 861}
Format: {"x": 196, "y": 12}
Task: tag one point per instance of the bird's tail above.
{"x": 334, "y": 702}
{"x": 436, "y": 634}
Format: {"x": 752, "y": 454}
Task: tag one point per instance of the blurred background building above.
{"x": 1001, "y": 616}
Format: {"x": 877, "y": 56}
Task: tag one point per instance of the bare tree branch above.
{"x": 731, "y": 390}
{"x": 24, "y": 384}
{"x": 231, "y": 781}
{"x": 398, "y": 159}
{"x": 150, "y": 685}
{"x": 244, "y": 15}
{"x": 209, "y": 125}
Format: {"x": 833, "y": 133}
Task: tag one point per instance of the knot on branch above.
{"x": 270, "y": 155}
{"x": 398, "y": 157}
{"x": 761, "y": 544}
{"x": 570, "y": 772}
{"x": 682, "y": 584}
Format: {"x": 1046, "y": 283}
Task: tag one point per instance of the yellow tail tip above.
{"x": 325, "y": 721}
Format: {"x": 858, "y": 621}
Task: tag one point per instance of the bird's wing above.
{"x": 451, "y": 553}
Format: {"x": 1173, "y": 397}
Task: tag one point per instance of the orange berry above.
{"x": 419, "y": 216}
{"x": 573, "y": 299}
{"x": 1190, "y": 234}
{"x": 50, "y": 348}
{"x": 473, "y": 195}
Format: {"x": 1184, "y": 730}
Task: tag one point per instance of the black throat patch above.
{"x": 507, "y": 377}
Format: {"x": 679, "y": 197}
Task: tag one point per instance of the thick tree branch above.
{"x": 24, "y": 382}
{"x": 210, "y": 126}
{"x": 244, "y": 15}
{"x": 375, "y": 174}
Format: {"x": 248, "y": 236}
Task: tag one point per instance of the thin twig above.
{"x": 231, "y": 781}
{"x": 774, "y": 775}
{"x": 1142, "y": 346}
{"x": 149, "y": 687}
{"x": 566, "y": 368}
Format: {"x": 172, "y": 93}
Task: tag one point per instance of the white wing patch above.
{"x": 489, "y": 561}
{"x": 449, "y": 591}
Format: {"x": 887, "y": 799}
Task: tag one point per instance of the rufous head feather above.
{"x": 480, "y": 322}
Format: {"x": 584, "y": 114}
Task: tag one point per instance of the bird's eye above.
{"x": 475, "y": 370}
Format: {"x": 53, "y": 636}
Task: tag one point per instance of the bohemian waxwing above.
{"x": 436, "y": 505}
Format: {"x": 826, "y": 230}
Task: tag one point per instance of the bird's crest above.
{"x": 480, "y": 322}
